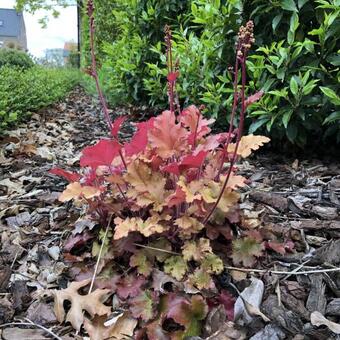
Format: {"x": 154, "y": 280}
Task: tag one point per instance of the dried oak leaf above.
{"x": 176, "y": 267}
{"x": 102, "y": 153}
{"x": 143, "y": 305}
{"x": 196, "y": 250}
{"x": 247, "y": 144}
{"x": 139, "y": 260}
{"x": 147, "y": 186}
{"x": 91, "y": 303}
{"x": 245, "y": 250}
{"x": 167, "y": 137}
{"x": 122, "y": 329}
{"x": 76, "y": 190}
{"x": 130, "y": 286}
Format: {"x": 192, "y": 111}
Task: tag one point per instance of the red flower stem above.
{"x": 122, "y": 192}
{"x": 239, "y": 134}
{"x": 99, "y": 90}
{"x": 95, "y": 75}
{"x": 123, "y": 159}
{"x": 196, "y": 128}
{"x": 232, "y": 117}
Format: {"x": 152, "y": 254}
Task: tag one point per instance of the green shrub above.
{"x": 22, "y": 92}
{"x": 296, "y": 62}
{"x": 301, "y": 66}
{"x": 12, "y": 57}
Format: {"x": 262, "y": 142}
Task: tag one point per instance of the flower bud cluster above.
{"x": 90, "y": 8}
{"x": 245, "y": 39}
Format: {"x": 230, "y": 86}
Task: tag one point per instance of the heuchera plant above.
{"x": 171, "y": 195}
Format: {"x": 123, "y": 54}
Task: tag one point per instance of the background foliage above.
{"x": 25, "y": 91}
{"x": 295, "y": 60}
{"x": 13, "y": 57}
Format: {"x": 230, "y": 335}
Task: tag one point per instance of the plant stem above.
{"x": 232, "y": 117}
{"x": 238, "y": 138}
{"x": 95, "y": 74}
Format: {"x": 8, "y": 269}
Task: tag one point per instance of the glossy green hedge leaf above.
{"x": 332, "y": 118}
{"x": 293, "y": 85}
{"x": 286, "y": 118}
{"x": 291, "y": 132}
{"x": 289, "y": 5}
{"x": 301, "y": 3}
{"x": 257, "y": 124}
{"x": 276, "y": 21}
{"x": 331, "y": 95}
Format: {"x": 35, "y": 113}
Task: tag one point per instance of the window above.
{"x": 1, "y": 23}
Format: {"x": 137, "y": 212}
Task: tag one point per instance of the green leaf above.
{"x": 301, "y": 3}
{"x": 291, "y": 132}
{"x": 286, "y": 118}
{"x": 276, "y": 21}
{"x": 331, "y": 95}
{"x": 293, "y": 85}
{"x": 256, "y": 125}
{"x": 176, "y": 267}
{"x": 289, "y": 5}
{"x": 332, "y": 117}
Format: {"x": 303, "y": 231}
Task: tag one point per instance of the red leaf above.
{"x": 188, "y": 162}
{"x": 276, "y": 246}
{"x": 116, "y": 125}
{"x": 130, "y": 286}
{"x": 172, "y": 76}
{"x": 167, "y": 137}
{"x": 191, "y": 118}
{"x": 193, "y": 161}
{"x": 77, "y": 241}
{"x": 101, "y": 153}
{"x": 172, "y": 168}
{"x": 254, "y": 98}
{"x": 70, "y": 176}
{"x": 228, "y": 302}
{"x": 176, "y": 198}
{"x": 139, "y": 141}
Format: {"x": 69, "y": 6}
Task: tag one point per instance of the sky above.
{"x": 59, "y": 30}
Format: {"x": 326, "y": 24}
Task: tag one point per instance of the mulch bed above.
{"x": 296, "y": 199}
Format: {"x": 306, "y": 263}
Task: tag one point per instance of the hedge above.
{"x": 295, "y": 60}
{"x": 25, "y": 91}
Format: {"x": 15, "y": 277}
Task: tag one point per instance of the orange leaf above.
{"x": 166, "y": 136}
{"x": 147, "y": 227}
{"x": 76, "y": 190}
{"x": 147, "y": 186}
{"x": 188, "y": 225}
{"x": 247, "y": 144}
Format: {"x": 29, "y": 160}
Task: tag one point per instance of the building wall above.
{"x": 8, "y": 41}
{"x": 12, "y": 30}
